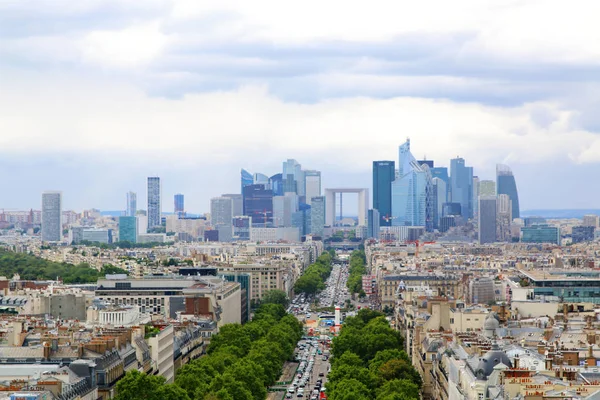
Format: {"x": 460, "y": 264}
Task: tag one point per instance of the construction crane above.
{"x": 418, "y": 245}
{"x": 388, "y": 218}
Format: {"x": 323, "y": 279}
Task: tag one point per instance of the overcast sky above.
{"x": 96, "y": 95}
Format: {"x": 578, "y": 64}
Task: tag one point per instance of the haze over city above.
{"x": 99, "y": 95}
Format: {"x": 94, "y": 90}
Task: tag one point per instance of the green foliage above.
{"x": 368, "y": 362}
{"x": 276, "y": 296}
{"x": 243, "y": 360}
{"x": 31, "y": 268}
{"x": 356, "y": 270}
{"x": 138, "y": 386}
{"x": 123, "y": 245}
{"x": 314, "y": 277}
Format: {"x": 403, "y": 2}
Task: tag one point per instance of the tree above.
{"x": 350, "y": 389}
{"x": 138, "y": 386}
{"x": 400, "y": 389}
{"x": 275, "y": 296}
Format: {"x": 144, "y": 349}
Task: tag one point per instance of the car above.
{"x": 288, "y": 395}
{"x": 321, "y": 374}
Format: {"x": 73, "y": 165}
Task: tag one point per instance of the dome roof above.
{"x": 492, "y": 358}
{"x": 491, "y": 322}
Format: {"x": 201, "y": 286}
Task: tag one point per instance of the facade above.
{"x": 293, "y": 177}
{"x": 412, "y": 193}
{"x": 241, "y": 228}
{"x": 591, "y": 220}
{"x": 582, "y": 234}
{"x": 487, "y": 219}
{"x": 503, "y": 218}
{"x": 237, "y": 204}
{"x": 506, "y": 185}
{"x": 373, "y": 224}
{"x": 302, "y": 219}
{"x": 540, "y": 234}
{"x": 258, "y": 204}
{"x": 131, "y": 204}
{"x": 275, "y": 234}
{"x": 317, "y": 215}
{"x": 161, "y": 349}
{"x": 221, "y": 211}
{"x": 481, "y": 291}
{"x": 440, "y": 196}
{"x": 51, "y": 216}
{"x": 178, "y": 204}
{"x": 384, "y": 173}
{"x": 95, "y": 235}
{"x": 263, "y": 277}
{"x": 461, "y": 187}
{"x": 283, "y": 209}
{"x": 246, "y": 180}
{"x": 276, "y": 184}
{"x": 154, "y": 207}
{"x": 312, "y": 184}
{"x": 128, "y": 229}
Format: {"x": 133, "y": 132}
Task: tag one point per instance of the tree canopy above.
{"x": 356, "y": 270}
{"x": 313, "y": 279}
{"x": 30, "y": 267}
{"x": 369, "y": 363}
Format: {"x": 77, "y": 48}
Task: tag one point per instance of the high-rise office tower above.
{"x": 383, "y": 176}
{"x": 487, "y": 188}
{"x": 317, "y": 215}
{"x": 221, "y": 211}
{"x": 283, "y": 209}
{"x": 373, "y": 224}
{"x": 179, "y": 205}
{"x": 506, "y": 184}
{"x": 412, "y": 192}
{"x": 293, "y": 178}
{"x": 301, "y": 219}
{"x": 591, "y": 220}
{"x": 237, "y": 204}
{"x": 261, "y": 179}
{"x": 475, "y": 196}
{"x": 461, "y": 182}
{"x": 276, "y": 184}
{"x": 131, "y": 204}
{"x": 487, "y": 219}
{"x": 154, "y": 209}
{"x": 128, "y": 229}
{"x": 312, "y": 184}
{"x": 440, "y": 197}
{"x": 51, "y": 216}
{"x": 246, "y": 180}
{"x": 503, "y": 218}
{"x": 258, "y": 204}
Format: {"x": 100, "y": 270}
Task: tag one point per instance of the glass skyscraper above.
{"x": 312, "y": 185}
{"x": 221, "y": 211}
{"x": 154, "y": 209}
{"x": 131, "y": 204}
{"x": 461, "y": 186}
{"x": 258, "y": 204}
{"x": 412, "y": 192}
{"x": 506, "y": 184}
{"x": 51, "y": 216}
{"x": 384, "y": 173}
{"x": 440, "y": 197}
{"x": 487, "y": 219}
{"x": 276, "y": 183}
{"x": 128, "y": 229}
{"x": 317, "y": 215}
{"x": 179, "y": 205}
{"x": 373, "y": 224}
{"x": 246, "y": 180}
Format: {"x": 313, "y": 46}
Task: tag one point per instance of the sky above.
{"x": 96, "y": 95}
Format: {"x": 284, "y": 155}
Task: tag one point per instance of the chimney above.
{"x": 80, "y": 350}
{"x": 47, "y": 350}
{"x": 591, "y": 361}
{"x": 516, "y": 361}
{"x": 565, "y": 311}
{"x": 548, "y": 364}
{"x": 541, "y": 348}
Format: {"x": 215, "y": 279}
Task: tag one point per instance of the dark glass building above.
{"x": 179, "y": 205}
{"x": 276, "y": 183}
{"x": 258, "y": 204}
{"x": 384, "y": 173}
{"x": 246, "y": 180}
{"x": 582, "y": 234}
{"x": 429, "y": 163}
{"x": 505, "y": 183}
{"x": 461, "y": 186}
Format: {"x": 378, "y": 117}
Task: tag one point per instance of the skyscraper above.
{"x": 412, "y": 192}
{"x": 246, "y": 180}
{"x": 276, "y": 184}
{"x": 51, "y": 216}
{"x": 503, "y": 218}
{"x": 506, "y": 184}
{"x": 475, "y": 201}
{"x": 131, "y": 204}
{"x": 317, "y": 215}
{"x": 154, "y": 210}
{"x": 487, "y": 219}
{"x": 128, "y": 229}
{"x": 261, "y": 179}
{"x": 440, "y": 197}
{"x": 258, "y": 204}
{"x": 283, "y": 209}
{"x": 461, "y": 190}
{"x": 221, "y": 211}
{"x": 179, "y": 205}
{"x": 373, "y": 224}
{"x": 293, "y": 178}
{"x": 236, "y": 203}
{"x": 383, "y": 175}
{"x": 312, "y": 185}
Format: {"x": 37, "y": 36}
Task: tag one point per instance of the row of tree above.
{"x": 242, "y": 361}
{"x": 368, "y": 362}
{"x": 30, "y": 267}
{"x": 313, "y": 279}
{"x": 123, "y": 245}
{"x": 356, "y": 270}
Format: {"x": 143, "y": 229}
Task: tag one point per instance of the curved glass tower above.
{"x": 246, "y": 180}
{"x": 505, "y": 184}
